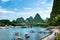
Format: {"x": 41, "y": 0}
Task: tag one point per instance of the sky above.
{"x": 13, "y": 9}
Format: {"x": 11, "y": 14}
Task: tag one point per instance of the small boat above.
{"x": 19, "y": 39}
{"x": 32, "y": 31}
{"x": 16, "y": 33}
{"x": 40, "y": 32}
{"x": 27, "y": 36}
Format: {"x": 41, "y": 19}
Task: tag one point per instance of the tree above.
{"x": 13, "y": 23}
{"x": 5, "y": 22}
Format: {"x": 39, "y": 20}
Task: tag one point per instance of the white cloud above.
{"x": 4, "y": 11}
{"x": 27, "y": 8}
{"x": 43, "y": 2}
{"x": 39, "y": 8}
{"x": 43, "y": 13}
{"x": 15, "y": 9}
{"x": 3, "y": 1}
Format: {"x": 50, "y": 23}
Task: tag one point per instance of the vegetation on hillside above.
{"x": 55, "y": 14}
{"x": 5, "y": 22}
{"x": 37, "y": 20}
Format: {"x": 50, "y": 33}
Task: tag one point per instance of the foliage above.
{"x": 13, "y": 23}
{"x": 5, "y": 22}
{"x": 55, "y": 14}
{"x": 58, "y": 37}
{"x": 55, "y": 9}
{"x": 57, "y": 20}
{"x": 21, "y": 22}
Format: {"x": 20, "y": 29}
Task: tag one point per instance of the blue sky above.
{"x": 12, "y": 9}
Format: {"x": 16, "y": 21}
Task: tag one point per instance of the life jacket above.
{"x": 19, "y": 39}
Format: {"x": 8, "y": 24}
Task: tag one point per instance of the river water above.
{"x": 34, "y": 33}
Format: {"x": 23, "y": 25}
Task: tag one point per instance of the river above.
{"x": 34, "y": 33}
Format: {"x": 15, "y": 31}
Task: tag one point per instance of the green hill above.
{"x": 38, "y": 19}
{"x": 55, "y": 14}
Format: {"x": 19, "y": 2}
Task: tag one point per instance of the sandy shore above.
{"x": 52, "y": 36}
{"x": 2, "y": 27}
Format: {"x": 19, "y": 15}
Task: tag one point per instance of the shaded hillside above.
{"x": 55, "y": 9}
{"x": 38, "y": 19}
{"x": 29, "y": 20}
{"x": 21, "y": 22}
{"x": 55, "y": 14}
{"x": 5, "y": 22}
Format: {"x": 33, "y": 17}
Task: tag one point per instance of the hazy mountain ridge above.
{"x": 21, "y": 21}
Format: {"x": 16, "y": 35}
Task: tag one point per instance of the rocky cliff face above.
{"x": 38, "y": 19}
{"x": 55, "y": 9}
{"x": 55, "y": 14}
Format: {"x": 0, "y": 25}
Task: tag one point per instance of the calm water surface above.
{"x": 37, "y": 34}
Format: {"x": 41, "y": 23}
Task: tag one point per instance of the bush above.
{"x": 58, "y": 37}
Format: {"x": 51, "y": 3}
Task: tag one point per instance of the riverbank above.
{"x": 57, "y": 37}
{"x": 3, "y": 27}
{"x": 52, "y": 36}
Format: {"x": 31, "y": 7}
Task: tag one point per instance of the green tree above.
{"x": 56, "y": 21}
{"x": 13, "y": 23}
{"x": 5, "y": 22}
{"x": 48, "y": 21}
